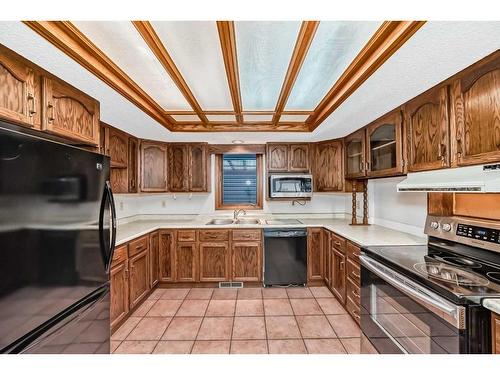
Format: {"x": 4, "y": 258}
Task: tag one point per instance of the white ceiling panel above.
{"x": 186, "y": 118}
{"x": 294, "y": 118}
{"x": 257, "y": 117}
{"x": 334, "y": 47}
{"x": 121, "y": 42}
{"x": 195, "y": 48}
{"x": 264, "y": 50}
{"x": 221, "y": 117}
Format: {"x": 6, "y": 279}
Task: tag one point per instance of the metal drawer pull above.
{"x": 337, "y": 243}
{"x": 355, "y": 314}
{"x": 355, "y": 275}
{"x": 355, "y": 294}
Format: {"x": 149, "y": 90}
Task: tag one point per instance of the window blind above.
{"x": 239, "y": 179}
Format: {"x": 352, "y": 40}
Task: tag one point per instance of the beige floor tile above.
{"x": 215, "y": 329}
{"x": 193, "y": 307}
{"x": 113, "y": 345}
{"x": 225, "y": 294}
{"x": 248, "y": 347}
{"x": 324, "y": 346}
{"x": 149, "y": 328}
{"x": 286, "y": 347}
{"x": 305, "y": 306}
{"x": 173, "y": 347}
{"x": 344, "y": 326}
{"x": 321, "y": 292}
{"x": 249, "y": 328}
{"x": 223, "y": 307}
{"x": 164, "y": 307}
{"x": 156, "y": 294}
{"x": 136, "y": 347}
{"x": 211, "y": 347}
{"x": 277, "y": 307}
{"x": 127, "y": 327}
{"x": 200, "y": 293}
{"x": 274, "y": 293}
{"x": 250, "y": 293}
{"x": 174, "y": 293}
{"x": 315, "y": 326}
{"x": 143, "y": 309}
{"x": 249, "y": 307}
{"x": 299, "y": 292}
{"x": 282, "y": 327}
{"x": 331, "y": 306}
{"x": 352, "y": 345}
{"x": 182, "y": 328}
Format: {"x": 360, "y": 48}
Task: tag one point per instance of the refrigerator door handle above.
{"x": 107, "y": 252}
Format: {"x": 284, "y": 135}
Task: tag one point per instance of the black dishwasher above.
{"x": 285, "y": 256}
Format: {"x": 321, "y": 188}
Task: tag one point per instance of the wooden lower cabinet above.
{"x": 327, "y": 263}
{"x": 495, "y": 324}
{"x": 186, "y": 261}
{"x": 246, "y": 261}
{"x": 214, "y": 261}
{"x": 314, "y": 254}
{"x": 166, "y": 243}
{"x": 139, "y": 277}
{"x": 119, "y": 306}
{"x": 338, "y": 282}
{"x": 154, "y": 259}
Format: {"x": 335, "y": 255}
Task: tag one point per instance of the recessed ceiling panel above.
{"x": 221, "y": 118}
{"x": 293, "y": 118}
{"x": 257, "y": 118}
{"x": 334, "y": 47}
{"x": 185, "y": 118}
{"x": 195, "y": 48}
{"x": 121, "y": 42}
{"x": 264, "y": 50}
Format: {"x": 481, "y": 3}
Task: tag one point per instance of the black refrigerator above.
{"x": 57, "y": 235}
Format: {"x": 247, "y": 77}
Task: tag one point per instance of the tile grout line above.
{"x": 298, "y": 326}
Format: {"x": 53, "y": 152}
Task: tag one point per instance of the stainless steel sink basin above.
{"x": 247, "y": 221}
{"x": 220, "y": 222}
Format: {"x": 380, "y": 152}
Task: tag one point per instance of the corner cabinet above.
{"x": 153, "y": 166}
{"x": 178, "y": 167}
{"x": 355, "y": 151}
{"x": 328, "y": 168}
{"x": 133, "y": 154}
{"x": 384, "y": 143}
{"x": 199, "y": 168}
{"x": 428, "y": 128}
{"x": 154, "y": 259}
{"x": 476, "y": 110}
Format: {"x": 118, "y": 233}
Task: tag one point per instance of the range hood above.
{"x": 475, "y": 179}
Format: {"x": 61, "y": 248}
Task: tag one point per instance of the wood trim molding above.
{"x": 304, "y": 39}
{"x": 156, "y": 45}
{"x": 65, "y": 36}
{"x": 241, "y": 149}
{"x": 241, "y": 127}
{"x": 227, "y": 39}
{"x": 384, "y": 43}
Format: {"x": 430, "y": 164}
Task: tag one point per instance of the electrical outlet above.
{"x": 163, "y": 204}
{"x": 121, "y": 206}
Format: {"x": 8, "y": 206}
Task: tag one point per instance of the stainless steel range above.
{"x": 427, "y": 299}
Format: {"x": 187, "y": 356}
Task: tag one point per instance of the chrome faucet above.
{"x": 237, "y": 212}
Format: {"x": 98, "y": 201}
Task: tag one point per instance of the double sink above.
{"x": 247, "y": 221}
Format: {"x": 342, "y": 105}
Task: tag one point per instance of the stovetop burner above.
{"x": 460, "y": 261}
{"x": 451, "y": 274}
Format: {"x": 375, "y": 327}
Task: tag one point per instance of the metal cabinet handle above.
{"x": 355, "y": 294}
{"x": 126, "y": 274}
{"x": 356, "y": 315}
{"x": 459, "y": 148}
{"x": 337, "y": 243}
{"x": 50, "y": 116}
{"x": 355, "y": 275}
{"x": 32, "y": 100}
{"x": 341, "y": 266}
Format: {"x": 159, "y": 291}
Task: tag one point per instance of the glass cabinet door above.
{"x": 355, "y": 154}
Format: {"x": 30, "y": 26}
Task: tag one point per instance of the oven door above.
{"x": 400, "y": 316}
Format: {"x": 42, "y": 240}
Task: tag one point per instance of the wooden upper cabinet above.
{"x": 355, "y": 151}
{"x": 153, "y": 166}
{"x": 329, "y": 171}
{"x": 277, "y": 157}
{"x": 427, "y": 130}
{"x": 117, "y": 148}
{"x": 19, "y": 98}
{"x": 214, "y": 261}
{"x": 133, "y": 154}
{"x": 385, "y": 146}
{"x": 69, "y": 113}
{"x": 298, "y": 158}
{"x": 178, "y": 167}
{"x": 476, "y": 109}
{"x": 198, "y": 167}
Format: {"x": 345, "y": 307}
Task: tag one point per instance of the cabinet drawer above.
{"x": 186, "y": 236}
{"x": 136, "y": 246}
{"x": 353, "y": 252}
{"x": 353, "y": 271}
{"x": 353, "y": 309}
{"x": 214, "y": 235}
{"x": 120, "y": 255}
{"x": 353, "y": 292}
{"x": 247, "y": 235}
{"x": 338, "y": 243}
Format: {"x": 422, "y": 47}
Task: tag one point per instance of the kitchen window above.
{"x": 239, "y": 181}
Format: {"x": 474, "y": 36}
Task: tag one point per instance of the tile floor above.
{"x": 239, "y": 321}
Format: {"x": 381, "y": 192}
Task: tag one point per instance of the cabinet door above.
{"x": 495, "y": 325}
{"x": 166, "y": 256}
{"x": 132, "y": 164}
{"x": 198, "y": 168}
{"x": 139, "y": 277}
{"x": 178, "y": 167}
{"x": 69, "y": 113}
{"x": 277, "y": 157}
{"x": 339, "y": 275}
{"x": 154, "y": 259}
{"x": 153, "y": 166}
{"x": 246, "y": 261}
{"x": 298, "y": 158}
{"x": 214, "y": 261}
{"x": 326, "y": 257}
{"x": 315, "y": 254}
{"x": 355, "y": 151}
{"x": 427, "y": 129}
{"x": 385, "y": 146}
{"x": 119, "y": 306}
{"x": 329, "y": 175}
{"x": 117, "y": 148}
{"x": 18, "y": 99}
{"x": 186, "y": 260}
{"x": 476, "y": 107}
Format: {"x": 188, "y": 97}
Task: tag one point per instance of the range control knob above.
{"x": 446, "y": 227}
{"x": 434, "y": 225}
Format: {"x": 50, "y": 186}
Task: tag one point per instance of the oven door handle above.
{"x": 455, "y": 314}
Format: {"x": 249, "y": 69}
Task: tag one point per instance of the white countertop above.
{"x": 372, "y": 235}
{"x": 492, "y": 304}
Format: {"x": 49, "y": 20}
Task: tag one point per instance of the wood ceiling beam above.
{"x": 390, "y": 36}
{"x": 304, "y": 39}
{"x": 66, "y": 37}
{"x": 245, "y": 127}
{"x": 227, "y": 39}
{"x": 156, "y": 45}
